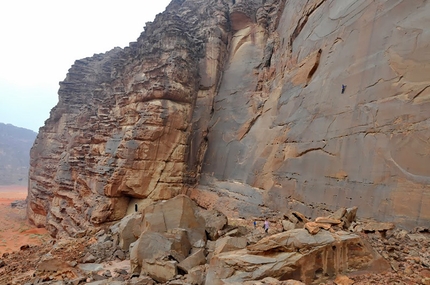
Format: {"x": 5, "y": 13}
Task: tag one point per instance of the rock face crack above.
{"x": 303, "y": 20}
{"x": 420, "y": 92}
{"x": 314, "y": 149}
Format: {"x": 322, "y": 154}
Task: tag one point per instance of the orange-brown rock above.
{"x": 242, "y": 101}
{"x": 327, "y": 220}
{"x": 312, "y": 227}
{"x": 343, "y": 280}
{"x": 375, "y": 226}
{"x": 121, "y": 131}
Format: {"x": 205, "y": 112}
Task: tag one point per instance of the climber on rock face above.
{"x": 343, "y": 88}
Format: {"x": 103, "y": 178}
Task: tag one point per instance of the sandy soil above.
{"x": 15, "y": 230}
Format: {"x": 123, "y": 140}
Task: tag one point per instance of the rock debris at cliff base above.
{"x": 144, "y": 249}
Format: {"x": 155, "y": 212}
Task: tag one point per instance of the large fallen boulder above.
{"x": 295, "y": 254}
{"x": 292, "y": 241}
{"x": 171, "y": 230}
{"x": 229, "y": 243}
{"x": 129, "y": 230}
{"x": 178, "y": 212}
{"x": 160, "y": 270}
{"x": 215, "y": 221}
{"x": 194, "y": 260}
{"x": 152, "y": 246}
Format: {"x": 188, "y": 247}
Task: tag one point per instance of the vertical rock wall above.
{"x": 242, "y": 100}
{"x": 284, "y": 136}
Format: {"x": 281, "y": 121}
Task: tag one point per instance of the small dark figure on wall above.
{"x": 343, "y": 88}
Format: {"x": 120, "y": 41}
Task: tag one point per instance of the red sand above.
{"x": 15, "y": 230}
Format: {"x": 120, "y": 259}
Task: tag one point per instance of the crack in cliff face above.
{"x": 314, "y": 149}
{"x": 247, "y": 127}
{"x": 303, "y": 20}
{"x": 420, "y": 92}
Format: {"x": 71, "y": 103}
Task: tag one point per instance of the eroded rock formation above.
{"x": 239, "y": 104}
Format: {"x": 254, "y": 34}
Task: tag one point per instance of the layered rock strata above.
{"x": 121, "y": 129}
{"x": 242, "y": 101}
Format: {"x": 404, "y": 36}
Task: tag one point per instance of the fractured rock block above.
{"x": 287, "y": 225}
{"x": 229, "y": 243}
{"x": 196, "y": 275}
{"x": 50, "y": 263}
{"x": 327, "y": 220}
{"x": 160, "y": 270}
{"x": 195, "y": 259}
{"x": 296, "y": 254}
{"x": 129, "y": 230}
{"x": 178, "y": 212}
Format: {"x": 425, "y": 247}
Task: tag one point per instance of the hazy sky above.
{"x": 41, "y": 39}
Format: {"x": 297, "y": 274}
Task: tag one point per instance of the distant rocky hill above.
{"x": 15, "y": 145}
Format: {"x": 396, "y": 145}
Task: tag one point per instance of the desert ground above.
{"x": 15, "y": 230}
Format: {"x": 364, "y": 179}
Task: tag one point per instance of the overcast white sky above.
{"x": 41, "y": 39}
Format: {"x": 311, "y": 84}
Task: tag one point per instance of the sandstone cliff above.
{"x": 239, "y": 104}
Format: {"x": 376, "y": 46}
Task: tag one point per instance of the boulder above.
{"x": 129, "y": 230}
{"x": 291, "y": 241}
{"x": 214, "y": 221}
{"x": 287, "y": 225}
{"x": 228, "y": 243}
{"x": 349, "y": 216}
{"x": 375, "y": 226}
{"x": 196, "y": 275}
{"x": 90, "y": 267}
{"x": 300, "y": 217}
{"x": 141, "y": 280}
{"x": 156, "y": 246}
{"x": 51, "y": 263}
{"x": 338, "y": 214}
{"x": 181, "y": 246}
{"x": 343, "y": 280}
{"x": 312, "y": 227}
{"x": 295, "y": 254}
{"x": 297, "y": 218}
{"x": 195, "y": 259}
{"x": 160, "y": 270}
{"x": 89, "y": 258}
{"x": 327, "y": 220}
{"x": 178, "y": 212}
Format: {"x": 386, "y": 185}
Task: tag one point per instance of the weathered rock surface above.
{"x": 179, "y": 212}
{"x": 122, "y": 128}
{"x": 229, "y": 244}
{"x": 242, "y": 101}
{"x": 129, "y": 230}
{"x": 295, "y": 254}
{"x": 282, "y": 135}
